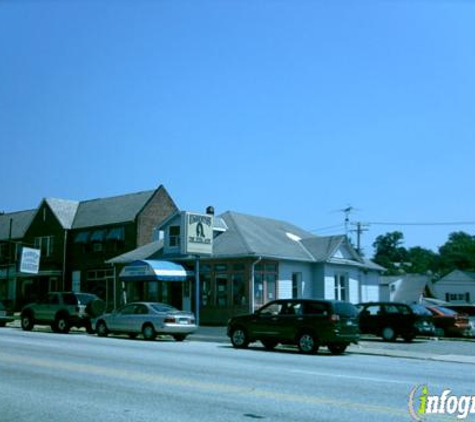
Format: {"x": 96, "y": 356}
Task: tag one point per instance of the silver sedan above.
{"x": 148, "y": 319}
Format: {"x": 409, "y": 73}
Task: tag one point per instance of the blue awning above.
{"x": 153, "y": 270}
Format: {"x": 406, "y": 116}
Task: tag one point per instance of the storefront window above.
{"x": 222, "y": 290}
{"x": 239, "y": 291}
{"x": 258, "y": 289}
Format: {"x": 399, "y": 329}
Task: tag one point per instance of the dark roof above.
{"x": 114, "y": 210}
{"x": 20, "y": 223}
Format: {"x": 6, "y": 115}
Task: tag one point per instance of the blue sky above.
{"x": 286, "y": 109}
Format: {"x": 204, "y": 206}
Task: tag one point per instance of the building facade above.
{"x": 256, "y": 260}
{"x": 76, "y": 238}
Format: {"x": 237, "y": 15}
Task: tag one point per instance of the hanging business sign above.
{"x": 30, "y": 260}
{"x": 198, "y": 233}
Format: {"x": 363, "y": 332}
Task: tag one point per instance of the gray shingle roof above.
{"x": 20, "y": 223}
{"x": 249, "y": 235}
{"x": 114, "y": 210}
{"x": 64, "y": 210}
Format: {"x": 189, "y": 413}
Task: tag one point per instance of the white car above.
{"x": 148, "y": 319}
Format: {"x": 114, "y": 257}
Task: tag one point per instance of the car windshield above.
{"x": 161, "y": 307}
{"x": 346, "y": 309}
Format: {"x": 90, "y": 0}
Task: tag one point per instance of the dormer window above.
{"x": 174, "y": 236}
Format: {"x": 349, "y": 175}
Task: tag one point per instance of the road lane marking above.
{"x": 197, "y": 385}
{"x": 354, "y": 377}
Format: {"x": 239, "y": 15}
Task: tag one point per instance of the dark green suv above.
{"x": 302, "y": 322}
{"x": 63, "y": 310}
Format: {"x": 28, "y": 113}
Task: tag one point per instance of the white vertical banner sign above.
{"x": 30, "y": 260}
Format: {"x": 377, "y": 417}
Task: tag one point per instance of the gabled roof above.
{"x": 323, "y": 248}
{"x": 20, "y": 223}
{"x": 64, "y": 210}
{"x": 113, "y": 210}
{"x": 249, "y": 235}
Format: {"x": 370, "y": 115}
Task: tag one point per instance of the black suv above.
{"x": 392, "y": 319}
{"x": 302, "y": 322}
{"x": 63, "y": 310}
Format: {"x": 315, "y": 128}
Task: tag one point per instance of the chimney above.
{"x": 210, "y": 210}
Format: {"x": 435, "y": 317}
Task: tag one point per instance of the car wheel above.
{"x": 307, "y": 343}
{"x": 440, "y": 332}
{"x": 62, "y": 324}
{"x": 101, "y": 329}
{"x": 388, "y": 334}
{"x": 239, "y": 338}
{"x": 148, "y": 332}
{"x": 179, "y": 337}
{"x": 269, "y": 344}
{"x": 337, "y": 348}
{"x": 96, "y": 308}
{"x": 27, "y": 322}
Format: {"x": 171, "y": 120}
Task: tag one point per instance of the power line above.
{"x": 459, "y": 223}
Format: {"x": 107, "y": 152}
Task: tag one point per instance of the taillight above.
{"x": 334, "y": 318}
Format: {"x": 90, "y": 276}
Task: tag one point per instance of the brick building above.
{"x": 76, "y": 238}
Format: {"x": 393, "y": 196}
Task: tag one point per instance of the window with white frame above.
{"x": 174, "y": 236}
{"x": 341, "y": 286}
{"x": 45, "y": 244}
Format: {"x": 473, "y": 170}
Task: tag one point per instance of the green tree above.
{"x": 390, "y": 253}
{"x": 423, "y": 261}
{"x": 458, "y": 252}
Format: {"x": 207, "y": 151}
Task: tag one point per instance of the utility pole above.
{"x": 360, "y": 228}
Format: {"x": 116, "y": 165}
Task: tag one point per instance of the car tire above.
{"x": 239, "y": 338}
{"x": 101, "y": 329}
{"x": 179, "y": 337}
{"x": 307, "y": 343}
{"x": 149, "y": 332}
{"x": 27, "y": 322}
{"x": 269, "y": 344}
{"x": 337, "y": 348}
{"x": 388, "y": 334}
{"x": 95, "y": 308}
{"x": 62, "y": 324}
{"x": 440, "y": 332}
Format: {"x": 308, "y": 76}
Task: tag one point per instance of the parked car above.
{"x": 448, "y": 322}
{"x": 468, "y": 310}
{"x": 6, "y": 315}
{"x": 148, "y": 319}
{"x": 392, "y": 319}
{"x": 305, "y": 323}
{"x": 63, "y": 310}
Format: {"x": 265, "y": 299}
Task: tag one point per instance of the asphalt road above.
{"x": 79, "y": 377}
